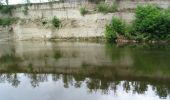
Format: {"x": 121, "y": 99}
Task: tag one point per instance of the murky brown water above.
{"x": 83, "y": 71}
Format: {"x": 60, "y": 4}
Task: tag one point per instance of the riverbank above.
{"x": 34, "y": 23}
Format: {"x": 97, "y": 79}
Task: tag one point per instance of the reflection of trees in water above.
{"x": 100, "y": 78}
{"x": 35, "y": 79}
{"x": 146, "y": 59}
{"x": 10, "y": 60}
{"x": 92, "y": 84}
{"x": 10, "y": 78}
{"x": 13, "y": 62}
{"x": 151, "y": 60}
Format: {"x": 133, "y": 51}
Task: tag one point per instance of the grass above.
{"x": 7, "y": 21}
{"x": 83, "y": 11}
{"x": 105, "y": 8}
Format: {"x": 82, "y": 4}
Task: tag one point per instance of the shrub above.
{"x": 83, "y": 11}
{"x": 105, "y": 8}
{"x": 44, "y": 22}
{"x": 102, "y": 7}
{"x": 25, "y": 10}
{"x": 113, "y": 8}
{"x": 56, "y": 22}
{"x": 5, "y": 9}
{"x": 110, "y": 34}
{"x": 164, "y": 24}
{"x": 7, "y": 21}
{"x": 149, "y": 21}
{"x": 116, "y": 27}
{"x": 96, "y": 1}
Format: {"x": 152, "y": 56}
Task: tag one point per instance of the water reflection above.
{"x": 92, "y": 85}
{"x": 94, "y": 67}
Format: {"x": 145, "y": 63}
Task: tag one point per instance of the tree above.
{"x": 7, "y": 2}
{"x": 26, "y": 1}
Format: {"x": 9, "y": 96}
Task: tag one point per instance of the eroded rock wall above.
{"x": 74, "y": 25}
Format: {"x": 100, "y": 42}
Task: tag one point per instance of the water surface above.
{"x": 83, "y": 71}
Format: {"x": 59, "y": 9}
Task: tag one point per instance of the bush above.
{"x": 96, "y": 1}
{"x": 25, "y": 10}
{"x": 151, "y": 21}
{"x": 5, "y": 9}
{"x": 110, "y": 34}
{"x": 7, "y": 21}
{"x": 116, "y": 27}
{"x": 105, "y": 8}
{"x": 83, "y": 11}
{"x": 164, "y": 25}
{"x": 56, "y": 22}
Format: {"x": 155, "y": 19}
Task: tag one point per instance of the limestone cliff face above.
{"x": 74, "y": 25}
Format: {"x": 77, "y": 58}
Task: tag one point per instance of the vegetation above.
{"x": 83, "y": 11}
{"x": 25, "y": 10}
{"x": 5, "y": 9}
{"x": 116, "y": 27}
{"x": 7, "y": 21}
{"x": 56, "y": 22}
{"x": 57, "y": 55}
{"x": 105, "y": 8}
{"x": 151, "y": 23}
{"x": 96, "y": 1}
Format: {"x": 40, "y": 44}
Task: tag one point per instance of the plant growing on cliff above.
{"x": 152, "y": 21}
{"x": 116, "y": 27}
{"x": 105, "y": 8}
{"x": 96, "y": 1}
{"x": 25, "y": 10}
{"x": 5, "y": 9}
{"x": 110, "y": 34}
{"x": 56, "y": 22}
{"x": 83, "y": 11}
{"x": 7, "y": 21}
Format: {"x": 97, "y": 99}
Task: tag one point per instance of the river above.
{"x": 43, "y": 70}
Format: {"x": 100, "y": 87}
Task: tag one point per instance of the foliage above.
{"x": 83, "y": 11}
{"x": 165, "y": 24}
{"x": 44, "y": 22}
{"x": 116, "y": 26}
{"x": 110, "y": 34}
{"x": 105, "y": 8}
{"x": 57, "y": 55}
{"x": 7, "y": 21}
{"x": 152, "y": 21}
{"x": 56, "y": 22}
{"x": 5, "y": 9}
{"x": 96, "y": 1}
{"x": 25, "y": 10}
